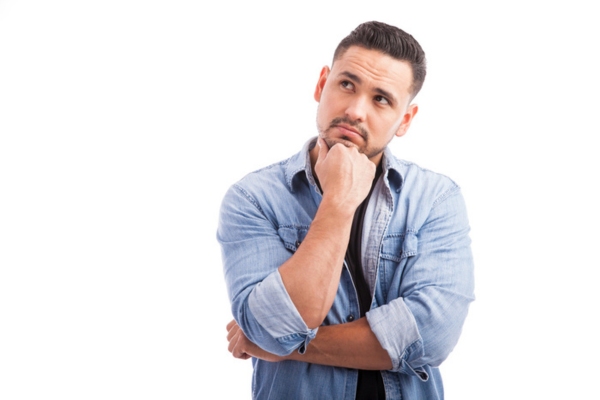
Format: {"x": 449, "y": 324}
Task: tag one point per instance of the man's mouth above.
{"x": 348, "y": 129}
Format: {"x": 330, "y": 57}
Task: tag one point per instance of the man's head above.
{"x": 365, "y": 98}
{"x": 389, "y": 40}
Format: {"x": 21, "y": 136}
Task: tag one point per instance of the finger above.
{"x": 230, "y": 335}
{"x": 230, "y": 324}
{"x": 232, "y": 332}
{"x": 323, "y": 149}
{"x": 235, "y": 348}
{"x": 231, "y": 345}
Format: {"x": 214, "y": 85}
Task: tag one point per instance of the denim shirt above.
{"x": 417, "y": 253}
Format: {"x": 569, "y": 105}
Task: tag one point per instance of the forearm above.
{"x": 311, "y": 277}
{"x": 350, "y": 345}
{"x": 280, "y": 300}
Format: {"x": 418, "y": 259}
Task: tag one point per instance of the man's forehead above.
{"x": 373, "y": 66}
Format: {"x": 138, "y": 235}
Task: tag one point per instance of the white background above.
{"x": 123, "y": 122}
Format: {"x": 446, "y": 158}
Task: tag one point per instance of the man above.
{"x": 349, "y": 271}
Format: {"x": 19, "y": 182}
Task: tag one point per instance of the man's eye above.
{"x": 347, "y": 85}
{"x": 381, "y": 99}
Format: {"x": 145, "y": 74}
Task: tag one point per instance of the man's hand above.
{"x": 242, "y": 348}
{"x": 344, "y": 174}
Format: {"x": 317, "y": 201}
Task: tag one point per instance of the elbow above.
{"x": 313, "y": 321}
{"x": 312, "y": 316}
{"x": 271, "y": 331}
{"x": 438, "y": 344}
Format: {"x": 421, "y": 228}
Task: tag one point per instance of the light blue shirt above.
{"x": 416, "y": 257}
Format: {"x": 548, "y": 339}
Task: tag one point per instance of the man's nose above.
{"x": 357, "y": 109}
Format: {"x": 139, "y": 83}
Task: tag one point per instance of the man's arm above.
{"x": 349, "y": 345}
{"x": 311, "y": 276}
{"x": 422, "y": 325}
{"x": 279, "y": 300}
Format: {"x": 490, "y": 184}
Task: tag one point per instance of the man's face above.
{"x": 364, "y": 101}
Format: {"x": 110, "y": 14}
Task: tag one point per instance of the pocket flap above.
{"x": 292, "y": 236}
{"x": 399, "y": 246}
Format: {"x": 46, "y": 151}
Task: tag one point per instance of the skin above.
{"x": 364, "y": 102}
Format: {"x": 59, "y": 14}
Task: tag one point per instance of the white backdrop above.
{"x": 122, "y": 123}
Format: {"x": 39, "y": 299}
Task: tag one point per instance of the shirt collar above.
{"x": 393, "y": 169}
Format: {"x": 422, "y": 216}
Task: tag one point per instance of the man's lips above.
{"x": 348, "y": 130}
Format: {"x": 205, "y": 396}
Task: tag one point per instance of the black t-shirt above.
{"x": 370, "y": 383}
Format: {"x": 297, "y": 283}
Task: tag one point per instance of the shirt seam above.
{"x": 250, "y": 199}
{"x": 454, "y": 189}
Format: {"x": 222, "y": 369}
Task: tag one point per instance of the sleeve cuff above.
{"x": 396, "y": 329}
{"x": 274, "y": 310}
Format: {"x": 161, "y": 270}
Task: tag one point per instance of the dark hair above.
{"x": 389, "y": 40}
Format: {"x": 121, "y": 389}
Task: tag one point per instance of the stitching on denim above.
{"x": 445, "y": 195}
{"x": 297, "y": 227}
{"x": 403, "y": 254}
{"x": 290, "y": 177}
{"x": 403, "y": 234}
{"x": 410, "y": 347}
{"x": 250, "y": 198}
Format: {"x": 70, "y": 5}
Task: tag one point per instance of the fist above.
{"x": 345, "y": 175}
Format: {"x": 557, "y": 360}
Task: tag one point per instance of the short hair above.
{"x": 390, "y": 40}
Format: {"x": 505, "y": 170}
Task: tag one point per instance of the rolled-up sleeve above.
{"x": 252, "y": 252}
{"x": 421, "y": 324}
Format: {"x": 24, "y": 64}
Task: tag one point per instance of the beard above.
{"x": 364, "y": 148}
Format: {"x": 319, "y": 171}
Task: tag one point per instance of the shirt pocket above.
{"x": 396, "y": 249}
{"x": 292, "y": 236}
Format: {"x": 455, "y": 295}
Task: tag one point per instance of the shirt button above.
{"x": 350, "y": 317}
{"x": 298, "y": 243}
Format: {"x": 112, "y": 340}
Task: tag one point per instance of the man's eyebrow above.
{"x": 386, "y": 94}
{"x": 351, "y": 76}
{"x": 379, "y": 91}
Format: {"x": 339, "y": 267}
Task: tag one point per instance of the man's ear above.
{"x": 407, "y": 119}
{"x": 321, "y": 83}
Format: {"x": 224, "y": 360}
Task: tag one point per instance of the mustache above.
{"x": 355, "y": 124}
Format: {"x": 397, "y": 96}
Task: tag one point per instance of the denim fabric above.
{"x": 417, "y": 259}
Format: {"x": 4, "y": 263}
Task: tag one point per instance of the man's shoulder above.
{"x": 273, "y": 185}
{"x": 272, "y": 174}
{"x": 278, "y": 191}
{"x": 278, "y": 175}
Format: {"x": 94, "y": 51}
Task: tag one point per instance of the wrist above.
{"x": 337, "y": 209}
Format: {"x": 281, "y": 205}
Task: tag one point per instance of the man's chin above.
{"x": 346, "y": 142}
